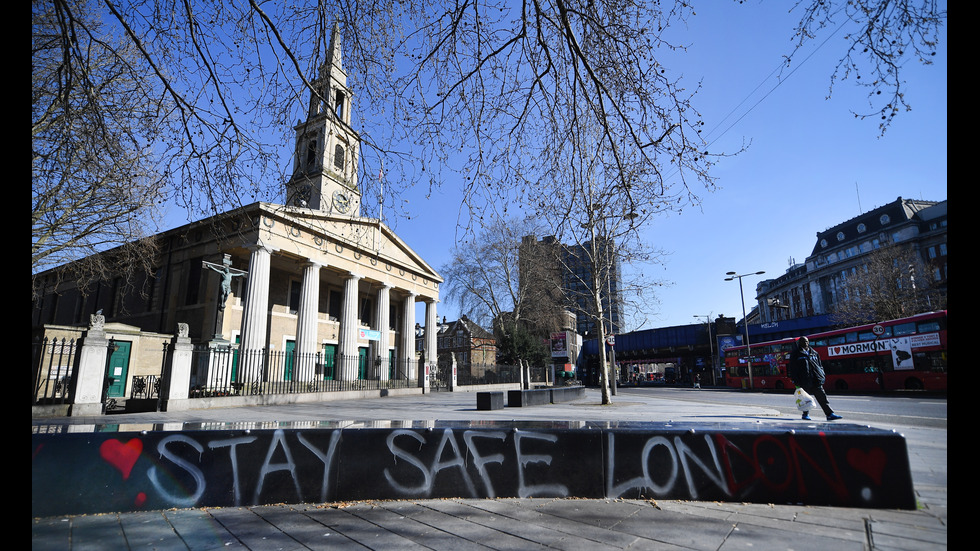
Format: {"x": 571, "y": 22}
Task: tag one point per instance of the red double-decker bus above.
{"x": 907, "y": 353}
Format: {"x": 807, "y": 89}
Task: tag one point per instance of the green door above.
{"x": 234, "y": 360}
{"x": 362, "y": 355}
{"x": 287, "y": 372}
{"x": 392, "y": 368}
{"x": 329, "y": 361}
{"x": 119, "y": 368}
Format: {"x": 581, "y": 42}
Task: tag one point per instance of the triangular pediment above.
{"x": 355, "y": 238}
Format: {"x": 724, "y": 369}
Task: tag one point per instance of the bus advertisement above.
{"x": 907, "y": 353}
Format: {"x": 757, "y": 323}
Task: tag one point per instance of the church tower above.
{"x": 325, "y": 171}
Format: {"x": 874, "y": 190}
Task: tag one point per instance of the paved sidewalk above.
{"x": 459, "y": 524}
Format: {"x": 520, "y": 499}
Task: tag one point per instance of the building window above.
{"x": 338, "y": 157}
{"x": 193, "y": 281}
{"x": 366, "y": 312}
{"x": 339, "y": 104}
{"x": 311, "y": 150}
{"x": 155, "y": 291}
{"x": 333, "y": 308}
{"x": 295, "y": 288}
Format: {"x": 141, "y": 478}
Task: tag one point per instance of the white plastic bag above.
{"x": 804, "y": 402}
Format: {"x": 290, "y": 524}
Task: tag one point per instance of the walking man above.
{"x": 807, "y": 373}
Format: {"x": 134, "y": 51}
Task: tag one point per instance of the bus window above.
{"x": 851, "y": 337}
{"x": 839, "y": 339}
{"x": 904, "y": 329}
{"x": 928, "y": 326}
{"x": 930, "y": 361}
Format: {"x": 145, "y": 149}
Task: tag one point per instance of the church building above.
{"x": 311, "y": 277}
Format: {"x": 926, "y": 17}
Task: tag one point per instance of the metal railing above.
{"x": 482, "y": 374}
{"x": 145, "y": 387}
{"x": 231, "y": 372}
{"x": 53, "y": 363}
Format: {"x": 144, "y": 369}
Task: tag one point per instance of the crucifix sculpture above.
{"x": 227, "y": 274}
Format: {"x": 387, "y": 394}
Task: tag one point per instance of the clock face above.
{"x": 341, "y": 202}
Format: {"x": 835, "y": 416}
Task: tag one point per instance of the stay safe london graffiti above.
{"x": 101, "y": 472}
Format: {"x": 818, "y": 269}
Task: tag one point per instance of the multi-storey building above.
{"x": 571, "y": 268}
{"x": 473, "y": 347}
{"x": 843, "y": 251}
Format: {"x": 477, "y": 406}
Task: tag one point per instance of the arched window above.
{"x": 311, "y": 151}
{"x": 339, "y": 105}
{"x": 338, "y": 157}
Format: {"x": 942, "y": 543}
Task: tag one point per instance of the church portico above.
{"x": 310, "y": 293}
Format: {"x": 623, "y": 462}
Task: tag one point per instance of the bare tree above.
{"x": 892, "y": 282}
{"x": 603, "y": 205}
{"x": 880, "y": 37}
{"x": 480, "y": 92}
{"x": 499, "y": 282}
{"x": 94, "y": 183}
{"x": 473, "y": 81}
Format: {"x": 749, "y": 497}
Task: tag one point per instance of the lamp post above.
{"x": 711, "y": 345}
{"x": 745, "y": 323}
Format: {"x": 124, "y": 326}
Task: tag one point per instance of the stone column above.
{"x": 382, "y": 315}
{"x": 177, "y": 377}
{"x": 347, "y": 349}
{"x": 255, "y": 317}
{"x": 89, "y": 377}
{"x": 307, "y": 320}
{"x": 431, "y": 351}
{"x": 406, "y": 346}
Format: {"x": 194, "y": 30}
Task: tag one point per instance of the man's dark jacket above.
{"x": 805, "y": 368}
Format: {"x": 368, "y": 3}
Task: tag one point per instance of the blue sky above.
{"x": 809, "y": 165}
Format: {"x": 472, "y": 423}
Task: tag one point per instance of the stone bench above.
{"x": 544, "y": 395}
{"x": 561, "y": 394}
{"x": 489, "y": 400}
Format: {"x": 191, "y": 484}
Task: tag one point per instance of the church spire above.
{"x": 335, "y": 58}
{"x": 330, "y": 93}
{"x": 325, "y": 174}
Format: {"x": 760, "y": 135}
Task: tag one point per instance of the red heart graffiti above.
{"x": 871, "y": 463}
{"x": 121, "y": 456}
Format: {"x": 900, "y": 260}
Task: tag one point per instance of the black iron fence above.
{"x": 145, "y": 387}
{"x": 488, "y": 374}
{"x": 228, "y": 371}
{"x": 53, "y": 362}
{"x": 232, "y": 372}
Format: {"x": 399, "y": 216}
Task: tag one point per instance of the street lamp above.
{"x": 745, "y": 323}
{"x": 711, "y": 345}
